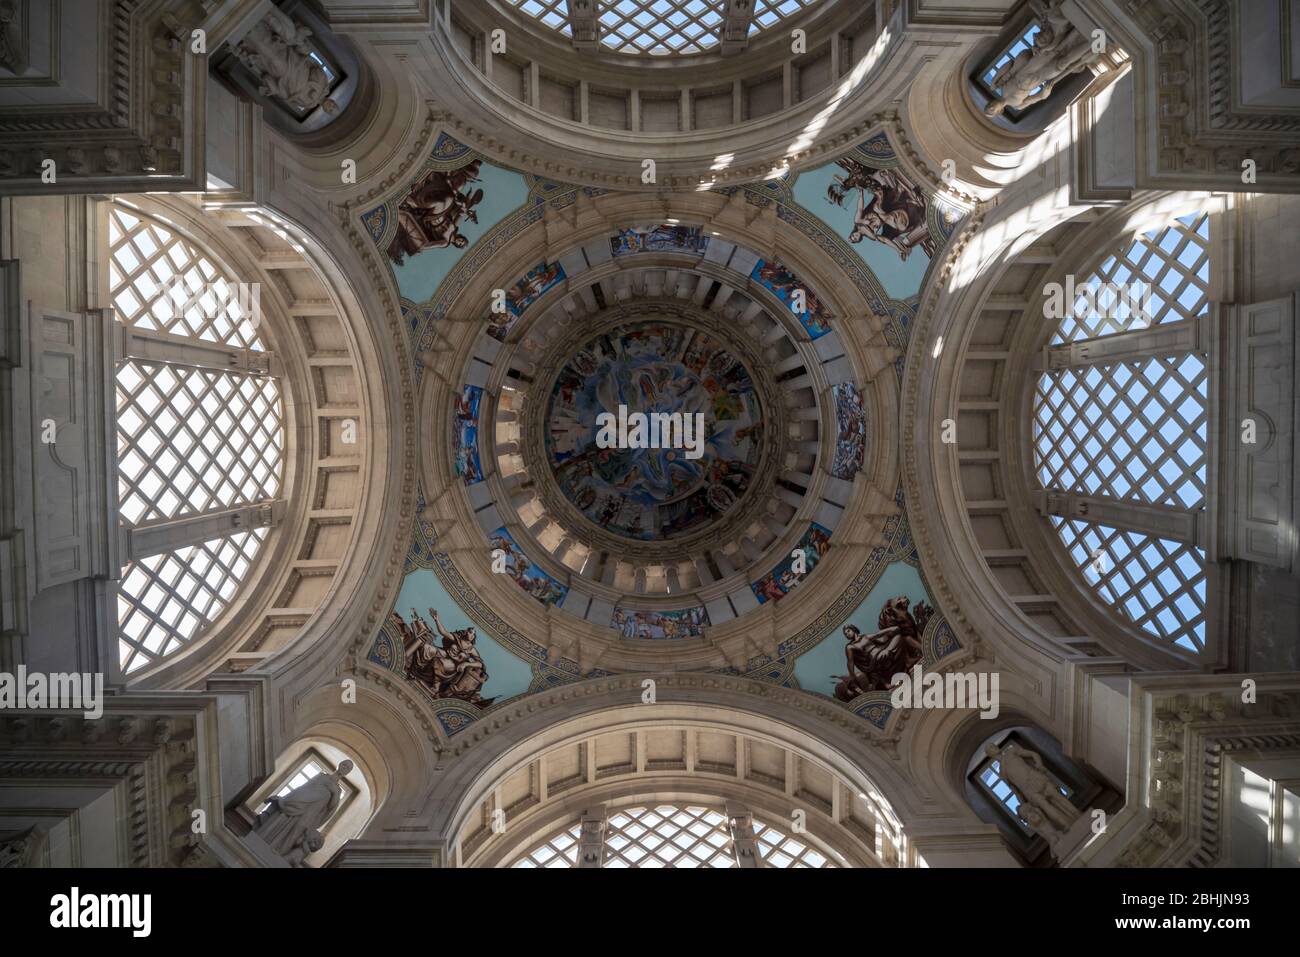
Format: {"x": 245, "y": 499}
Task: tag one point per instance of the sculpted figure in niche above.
{"x": 1024, "y": 772}
{"x": 276, "y": 51}
{"x": 13, "y": 53}
{"x": 430, "y": 215}
{"x": 453, "y": 670}
{"x": 1058, "y": 50}
{"x": 292, "y": 824}
{"x": 873, "y": 659}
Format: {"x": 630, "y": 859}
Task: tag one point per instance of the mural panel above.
{"x": 665, "y": 238}
{"x": 888, "y": 219}
{"x": 436, "y": 646}
{"x": 851, "y": 431}
{"x": 534, "y": 580}
{"x": 782, "y": 282}
{"x": 456, "y": 199}
{"x": 464, "y": 439}
{"x": 778, "y": 583}
{"x": 678, "y": 623}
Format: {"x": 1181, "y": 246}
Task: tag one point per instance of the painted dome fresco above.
{"x": 603, "y": 433}
{"x": 657, "y": 373}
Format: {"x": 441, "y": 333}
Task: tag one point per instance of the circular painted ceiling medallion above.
{"x": 654, "y": 430}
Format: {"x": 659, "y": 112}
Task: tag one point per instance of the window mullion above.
{"x": 156, "y": 538}
{"x": 1186, "y": 526}
{"x": 153, "y": 346}
{"x": 591, "y": 838}
{"x": 1162, "y": 339}
{"x": 744, "y": 845}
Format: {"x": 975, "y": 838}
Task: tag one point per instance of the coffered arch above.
{"x": 807, "y": 753}
{"x": 335, "y": 439}
{"x": 991, "y": 349}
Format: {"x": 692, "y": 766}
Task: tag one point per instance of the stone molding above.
{"x": 145, "y": 133}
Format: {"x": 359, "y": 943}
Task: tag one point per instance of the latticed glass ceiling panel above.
{"x": 1157, "y": 584}
{"x": 780, "y": 849}
{"x": 662, "y": 27}
{"x": 189, "y": 440}
{"x": 668, "y": 836}
{"x": 1164, "y": 273}
{"x": 165, "y": 600}
{"x": 558, "y": 851}
{"x": 1133, "y": 430}
{"x": 673, "y": 836}
{"x": 193, "y": 440}
{"x": 159, "y": 280}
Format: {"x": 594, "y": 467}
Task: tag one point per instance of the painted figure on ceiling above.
{"x": 430, "y": 215}
{"x": 895, "y": 213}
{"x": 873, "y": 659}
{"x": 453, "y": 670}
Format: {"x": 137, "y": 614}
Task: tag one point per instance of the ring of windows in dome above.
{"x": 557, "y": 540}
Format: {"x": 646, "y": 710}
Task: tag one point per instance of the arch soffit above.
{"x": 989, "y": 244}
{"x": 793, "y": 720}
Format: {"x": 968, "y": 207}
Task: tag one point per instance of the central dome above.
{"x": 621, "y": 430}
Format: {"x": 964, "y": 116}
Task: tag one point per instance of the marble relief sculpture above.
{"x": 873, "y": 659}
{"x": 276, "y": 51}
{"x": 292, "y": 823}
{"x": 1058, "y": 50}
{"x": 431, "y": 214}
{"x": 454, "y": 669}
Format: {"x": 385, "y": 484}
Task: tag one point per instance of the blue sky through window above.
{"x": 1135, "y": 430}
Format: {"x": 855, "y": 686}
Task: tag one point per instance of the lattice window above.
{"x": 159, "y": 280}
{"x": 165, "y": 600}
{"x": 674, "y": 836}
{"x": 661, "y": 27}
{"x": 991, "y": 777}
{"x": 1170, "y": 265}
{"x": 558, "y": 851}
{"x": 190, "y": 440}
{"x": 668, "y": 836}
{"x": 1134, "y": 430}
{"x": 770, "y": 13}
{"x": 780, "y": 849}
{"x": 1159, "y": 584}
{"x": 553, "y": 13}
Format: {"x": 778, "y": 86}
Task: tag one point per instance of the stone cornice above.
{"x": 146, "y": 131}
